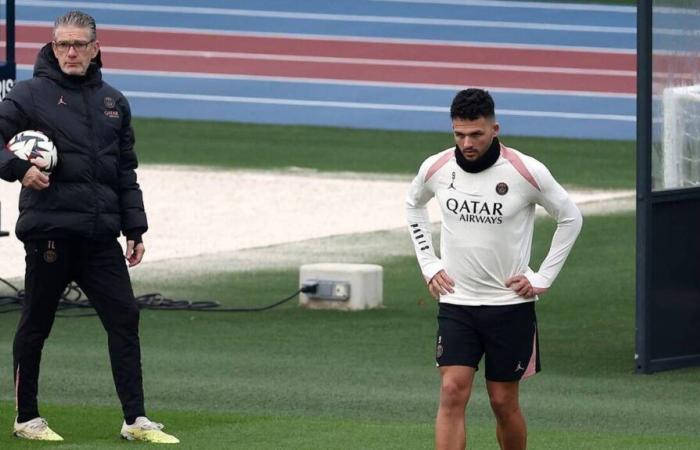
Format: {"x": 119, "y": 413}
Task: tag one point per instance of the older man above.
{"x": 69, "y": 221}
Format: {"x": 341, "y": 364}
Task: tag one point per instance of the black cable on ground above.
{"x": 74, "y": 299}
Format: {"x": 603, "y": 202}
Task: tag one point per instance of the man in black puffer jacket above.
{"x": 69, "y": 221}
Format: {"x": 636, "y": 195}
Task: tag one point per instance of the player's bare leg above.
{"x": 455, "y": 389}
{"x": 511, "y": 430}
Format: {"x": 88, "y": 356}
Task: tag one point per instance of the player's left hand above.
{"x": 521, "y": 285}
{"x": 134, "y": 253}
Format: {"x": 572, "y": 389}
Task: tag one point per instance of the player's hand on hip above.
{"x": 441, "y": 284}
{"x": 134, "y": 253}
{"x": 34, "y": 179}
{"x": 521, "y": 285}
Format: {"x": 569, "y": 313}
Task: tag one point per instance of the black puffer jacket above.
{"x": 93, "y": 193}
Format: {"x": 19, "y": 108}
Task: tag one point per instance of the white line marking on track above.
{"x": 336, "y": 82}
{"x": 341, "y": 38}
{"x": 361, "y": 105}
{"x": 332, "y": 17}
{"x": 524, "y": 5}
{"x": 357, "y": 61}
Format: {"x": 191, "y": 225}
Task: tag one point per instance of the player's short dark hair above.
{"x": 471, "y": 104}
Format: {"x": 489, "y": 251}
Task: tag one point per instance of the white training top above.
{"x": 487, "y": 224}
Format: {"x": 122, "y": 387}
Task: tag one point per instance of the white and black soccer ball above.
{"x": 35, "y": 147}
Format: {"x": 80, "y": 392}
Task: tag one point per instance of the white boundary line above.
{"x": 358, "y": 61}
{"x": 362, "y": 105}
{"x": 218, "y": 11}
{"x": 523, "y": 5}
{"x": 335, "y": 82}
{"x": 341, "y": 38}
{"x": 330, "y": 17}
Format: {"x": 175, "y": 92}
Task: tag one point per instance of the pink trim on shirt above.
{"x": 532, "y": 365}
{"x": 438, "y": 164}
{"x": 519, "y": 165}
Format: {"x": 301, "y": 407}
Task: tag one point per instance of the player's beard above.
{"x": 482, "y": 162}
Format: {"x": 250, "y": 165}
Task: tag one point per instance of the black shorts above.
{"x": 507, "y": 335}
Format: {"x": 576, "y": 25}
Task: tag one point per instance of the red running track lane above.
{"x": 356, "y": 71}
{"x": 363, "y": 72}
{"x": 351, "y": 49}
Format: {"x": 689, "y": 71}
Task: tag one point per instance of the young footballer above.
{"x": 487, "y": 194}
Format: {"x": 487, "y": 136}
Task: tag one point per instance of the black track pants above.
{"x": 100, "y": 270}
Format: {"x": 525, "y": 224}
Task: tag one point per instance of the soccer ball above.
{"x": 35, "y": 147}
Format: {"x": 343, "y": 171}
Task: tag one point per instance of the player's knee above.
{"x": 504, "y": 406}
{"x": 454, "y": 393}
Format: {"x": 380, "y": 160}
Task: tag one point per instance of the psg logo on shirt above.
{"x": 501, "y": 188}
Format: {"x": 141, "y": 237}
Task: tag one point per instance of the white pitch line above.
{"x": 364, "y": 105}
{"x": 332, "y": 17}
{"x": 356, "y": 61}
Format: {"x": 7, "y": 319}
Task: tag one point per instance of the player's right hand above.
{"x": 34, "y": 179}
{"x": 441, "y": 284}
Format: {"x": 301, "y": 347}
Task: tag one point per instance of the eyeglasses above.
{"x": 64, "y": 46}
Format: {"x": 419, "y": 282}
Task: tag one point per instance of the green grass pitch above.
{"x": 596, "y": 164}
{"x": 296, "y": 379}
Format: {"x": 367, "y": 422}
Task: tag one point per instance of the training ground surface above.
{"x": 290, "y": 378}
{"x": 327, "y": 181}
{"x": 201, "y": 212}
{"x": 296, "y": 379}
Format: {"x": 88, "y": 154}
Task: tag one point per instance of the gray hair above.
{"x": 76, "y": 19}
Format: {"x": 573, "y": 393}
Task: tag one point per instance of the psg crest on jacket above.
{"x": 35, "y": 147}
